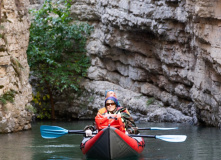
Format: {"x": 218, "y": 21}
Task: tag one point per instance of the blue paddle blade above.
{"x": 168, "y": 138}
{"x": 157, "y": 128}
{"x": 172, "y": 138}
{"x": 50, "y": 132}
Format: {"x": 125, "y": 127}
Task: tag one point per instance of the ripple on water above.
{"x": 61, "y": 146}
{"x": 57, "y": 146}
{"x": 49, "y": 151}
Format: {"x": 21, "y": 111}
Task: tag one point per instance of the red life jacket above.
{"x": 114, "y": 120}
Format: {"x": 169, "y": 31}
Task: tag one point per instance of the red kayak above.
{"x": 111, "y": 141}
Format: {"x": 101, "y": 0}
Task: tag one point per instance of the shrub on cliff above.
{"x": 56, "y": 52}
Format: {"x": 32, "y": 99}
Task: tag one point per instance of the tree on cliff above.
{"x": 56, "y": 52}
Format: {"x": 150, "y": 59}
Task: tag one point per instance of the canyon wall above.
{"x": 160, "y": 56}
{"x": 167, "y": 51}
{"x": 14, "y": 69}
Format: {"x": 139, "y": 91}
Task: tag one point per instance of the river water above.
{"x": 203, "y": 143}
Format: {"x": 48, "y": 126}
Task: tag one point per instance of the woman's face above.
{"x": 110, "y": 105}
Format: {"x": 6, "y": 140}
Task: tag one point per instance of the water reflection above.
{"x": 201, "y": 144}
{"x": 15, "y": 146}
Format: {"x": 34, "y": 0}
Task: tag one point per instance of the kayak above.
{"x": 110, "y": 140}
{"x": 111, "y": 143}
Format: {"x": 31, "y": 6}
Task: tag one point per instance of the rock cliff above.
{"x": 160, "y": 56}
{"x": 166, "y": 49}
{"x": 14, "y": 69}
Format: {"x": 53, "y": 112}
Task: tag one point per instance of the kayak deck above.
{"x": 110, "y": 143}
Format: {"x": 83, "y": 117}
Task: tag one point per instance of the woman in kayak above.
{"x": 112, "y": 107}
{"x": 110, "y": 93}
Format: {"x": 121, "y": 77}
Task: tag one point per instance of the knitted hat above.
{"x": 113, "y": 99}
{"x": 107, "y": 92}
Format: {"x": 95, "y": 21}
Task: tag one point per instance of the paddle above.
{"x": 157, "y": 128}
{"x": 168, "y": 138}
{"x": 50, "y": 132}
{"x": 55, "y": 131}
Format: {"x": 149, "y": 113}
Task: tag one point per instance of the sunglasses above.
{"x": 107, "y": 104}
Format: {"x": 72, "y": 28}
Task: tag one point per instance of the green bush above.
{"x": 56, "y": 52}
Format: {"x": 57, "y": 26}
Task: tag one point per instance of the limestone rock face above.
{"x": 14, "y": 69}
{"x": 162, "y": 57}
{"x": 166, "y": 49}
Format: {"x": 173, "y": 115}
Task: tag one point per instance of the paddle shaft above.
{"x": 144, "y": 128}
{"x": 148, "y": 128}
{"x": 78, "y": 132}
{"x": 144, "y": 136}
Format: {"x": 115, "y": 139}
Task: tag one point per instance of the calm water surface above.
{"x": 201, "y": 144}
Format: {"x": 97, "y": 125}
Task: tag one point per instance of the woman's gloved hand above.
{"x": 88, "y": 133}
